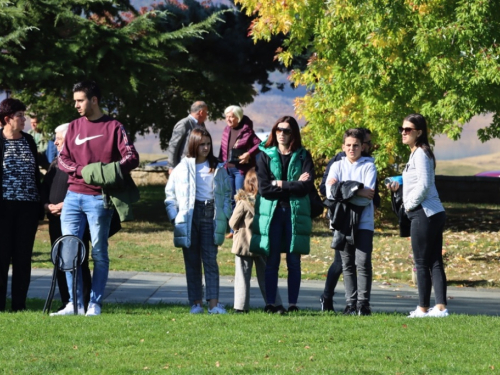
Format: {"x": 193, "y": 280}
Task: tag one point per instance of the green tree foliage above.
{"x": 151, "y": 64}
{"x": 373, "y": 62}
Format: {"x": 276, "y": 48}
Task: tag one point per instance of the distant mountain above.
{"x": 142, "y": 3}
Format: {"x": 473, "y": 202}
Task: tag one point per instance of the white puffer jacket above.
{"x": 181, "y": 195}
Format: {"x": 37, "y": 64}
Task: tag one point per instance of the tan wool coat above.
{"x": 241, "y": 222}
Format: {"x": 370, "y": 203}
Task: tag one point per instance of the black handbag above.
{"x": 317, "y": 206}
{"x": 234, "y": 155}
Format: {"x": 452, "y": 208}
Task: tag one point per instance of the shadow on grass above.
{"x": 466, "y": 219}
{"x": 473, "y": 283}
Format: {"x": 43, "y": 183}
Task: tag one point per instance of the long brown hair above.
{"x": 251, "y": 184}
{"x": 423, "y": 140}
{"x": 295, "y": 141}
{"x": 195, "y": 139}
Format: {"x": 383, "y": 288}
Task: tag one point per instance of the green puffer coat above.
{"x": 300, "y": 208}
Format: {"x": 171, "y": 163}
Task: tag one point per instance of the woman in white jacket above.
{"x": 198, "y": 203}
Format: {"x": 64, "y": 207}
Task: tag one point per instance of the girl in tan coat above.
{"x": 241, "y": 222}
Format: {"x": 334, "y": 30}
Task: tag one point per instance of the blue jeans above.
{"x": 236, "y": 179}
{"x": 78, "y": 209}
{"x": 280, "y": 239}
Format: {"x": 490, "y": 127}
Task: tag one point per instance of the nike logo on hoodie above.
{"x": 79, "y": 141}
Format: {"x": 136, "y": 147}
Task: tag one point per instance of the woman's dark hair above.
{"x": 295, "y": 140}
{"x": 195, "y": 139}
{"x": 10, "y": 106}
{"x": 423, "y": 140}
{"x": 251, "y": 184}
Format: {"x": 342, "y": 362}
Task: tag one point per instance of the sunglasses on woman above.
{"x": 285, "y": 131}
{"x": 405, "y": 130}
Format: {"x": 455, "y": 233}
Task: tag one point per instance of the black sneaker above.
{"x": 270, "y": 309}
{"x": 364, "y": 310}
{"x": 236, "y": 311}
{"x": 280, "y": 309}
{"x": 326, "y": 303}
{"x": 293, "y": 309}
{"x": 350, "y": 310}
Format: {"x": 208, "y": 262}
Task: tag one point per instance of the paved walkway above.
{"x": 145, "y": 287}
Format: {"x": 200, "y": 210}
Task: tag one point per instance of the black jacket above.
{"x": 344, "y": 216}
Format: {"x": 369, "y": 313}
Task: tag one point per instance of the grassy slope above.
{"x": 468, "y": 166}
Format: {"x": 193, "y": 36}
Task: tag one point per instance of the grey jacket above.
{"x": 177, "y": 146}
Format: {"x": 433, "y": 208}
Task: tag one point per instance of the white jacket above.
{"x": 181, "y": 195}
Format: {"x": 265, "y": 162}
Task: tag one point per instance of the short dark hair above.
{"x": 194, "y": 141}
{"x": 354, "y": 133}
{"x": 295, "y": 141}
{"x": 10, "y": 106}
{"x": 90, "y": 89}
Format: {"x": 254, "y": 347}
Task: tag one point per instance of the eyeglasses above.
{"x": 285, "y": 131}
{"x": 405, "y": 130}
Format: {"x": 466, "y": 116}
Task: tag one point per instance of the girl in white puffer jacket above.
{"x": 198, "y": 203}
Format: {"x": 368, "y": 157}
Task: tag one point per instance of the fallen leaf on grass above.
{"x": 217, "y": 364}
{"x": 311, "y": 358}
{"x": 307, "y": 347}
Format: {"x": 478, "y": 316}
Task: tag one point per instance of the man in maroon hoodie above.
{"x": 94, "y": 137}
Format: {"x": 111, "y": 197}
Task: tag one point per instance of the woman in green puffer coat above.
{"x": 282, "y": 222}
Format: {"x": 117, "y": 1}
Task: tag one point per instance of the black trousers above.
{"x": 427, "y": 245}
{"x": 18, "y": 226}
{"x": 55, "y": 233}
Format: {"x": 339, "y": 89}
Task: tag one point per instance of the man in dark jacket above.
{"x": 177, "y": 146}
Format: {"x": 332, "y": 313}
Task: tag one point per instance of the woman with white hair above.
{"x": 54, "y": 188}
{"x": 238, "y": 148}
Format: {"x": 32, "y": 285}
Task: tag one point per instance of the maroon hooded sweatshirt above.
{"x": 87, "y": 142}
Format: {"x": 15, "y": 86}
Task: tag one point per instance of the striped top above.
{"x": 419, "y": 186}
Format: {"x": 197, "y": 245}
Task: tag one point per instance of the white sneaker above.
{"x": 418, "y": 314}
{"x": 197, "y": 309}
{"x": 218, "y": 309}
{"x": 69, "y": 310}
{"x": 434, "y": 312}
{"x": 93, "y": 309}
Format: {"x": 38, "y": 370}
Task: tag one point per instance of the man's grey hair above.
{"x": 198, "y": 106}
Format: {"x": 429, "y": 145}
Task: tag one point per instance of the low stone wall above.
{"x": 468, "y": 189}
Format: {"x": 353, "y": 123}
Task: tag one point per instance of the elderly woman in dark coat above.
{"x": 238, "y": 135}
{"x": 20, "y": 207}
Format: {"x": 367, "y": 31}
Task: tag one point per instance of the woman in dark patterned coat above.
{"x": 20, "y": 207}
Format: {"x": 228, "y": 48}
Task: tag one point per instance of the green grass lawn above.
{"x": 165, "y": 339}
{"x": 472, "y": 249}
